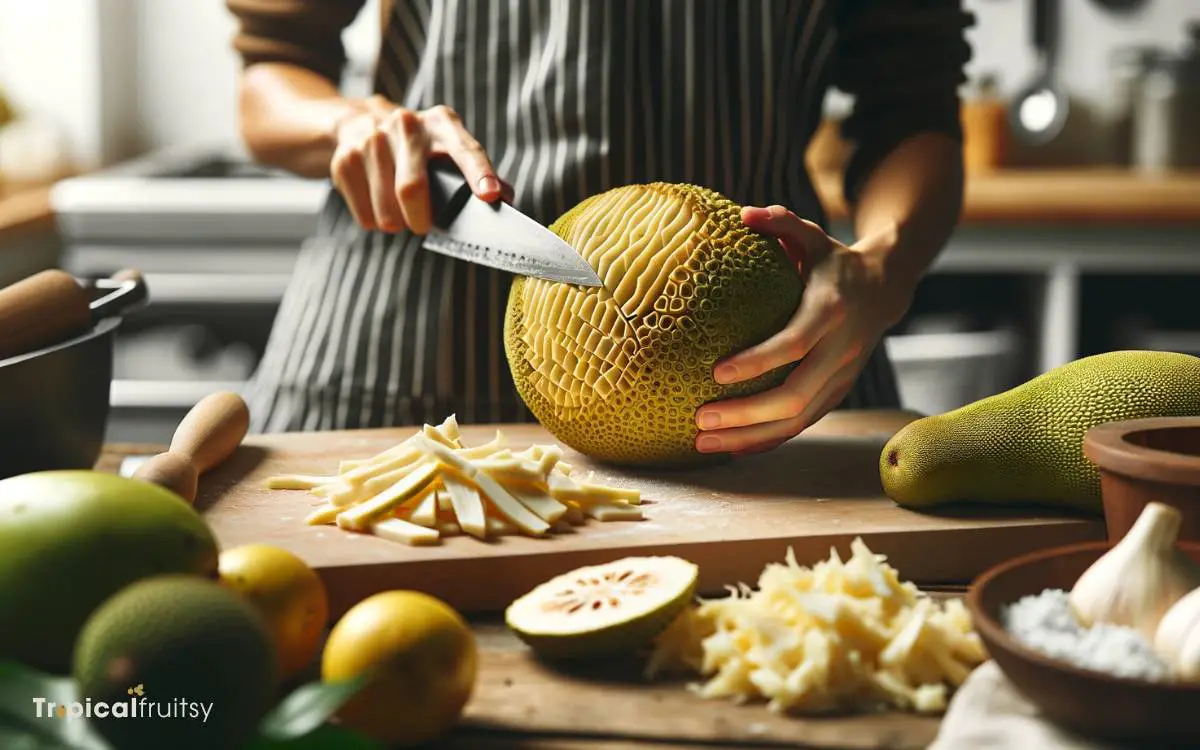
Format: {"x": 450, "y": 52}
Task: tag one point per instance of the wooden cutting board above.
{"x": 521, "y": 702}
{"x": 818, "y": 491}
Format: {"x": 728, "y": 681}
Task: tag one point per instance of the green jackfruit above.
{"x": 618, "y": 372}
{"x": 1026, "y": 445}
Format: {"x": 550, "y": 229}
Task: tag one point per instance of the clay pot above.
{"x": 1092, "y": 704}
{"x": 1147, "y": 460}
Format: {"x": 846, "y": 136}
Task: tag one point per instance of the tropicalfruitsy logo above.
{"x": 137, "y": 707}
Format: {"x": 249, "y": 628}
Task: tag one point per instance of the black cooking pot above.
{"x": 54, "y": 402}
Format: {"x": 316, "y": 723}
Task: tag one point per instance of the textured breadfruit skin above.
{"x": 618, "y": 372}
{"x": 1026, "y": 445}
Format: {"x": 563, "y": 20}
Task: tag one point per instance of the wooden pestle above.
{"x": 42, "y": 310}
{"x": 208, "y": 435}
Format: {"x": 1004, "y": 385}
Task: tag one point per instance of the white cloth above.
{"x": 988, "y": 713}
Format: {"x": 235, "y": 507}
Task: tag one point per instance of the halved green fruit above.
{"x": 596, "y": 610}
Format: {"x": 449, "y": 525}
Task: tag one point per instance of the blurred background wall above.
{"x": 167, "y": 72}
{"x": 121, "y": 150}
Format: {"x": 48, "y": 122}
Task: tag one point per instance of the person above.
{"x": 546, "y": 102}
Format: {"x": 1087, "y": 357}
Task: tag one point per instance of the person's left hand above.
{"x": 846, "y": 307}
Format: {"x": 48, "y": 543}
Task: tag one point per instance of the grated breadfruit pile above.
{"x": 839, "y": 635}
{"x": 618, "y": 372}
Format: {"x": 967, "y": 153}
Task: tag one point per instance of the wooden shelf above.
{"x": 1063, "y": 196}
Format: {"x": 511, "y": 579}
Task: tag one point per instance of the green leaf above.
{"x": 325, "y": 737}
{"x": 20, "y": 690}
{"x": 18, "y": 739}
{"x": 308, "y": 707}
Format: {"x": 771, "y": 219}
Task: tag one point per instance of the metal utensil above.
{"x": 55, "y": 400}
{"x": 1039, "y": 111}
{"x": 496, "y": 234}
{"x": 52, "y": 306}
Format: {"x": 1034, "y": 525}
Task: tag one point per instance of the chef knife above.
{"x": 496, "y": 234}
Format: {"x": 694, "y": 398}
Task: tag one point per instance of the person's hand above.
{"x": 844, "y": 311}
{"x": 379, "y": 164}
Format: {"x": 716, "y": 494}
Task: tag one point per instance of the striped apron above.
{"x": 569, "y": 98}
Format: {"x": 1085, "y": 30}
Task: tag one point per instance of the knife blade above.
{"x": 496, "y": 234}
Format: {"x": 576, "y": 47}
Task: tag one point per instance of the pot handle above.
{"x": 127, "y": 292}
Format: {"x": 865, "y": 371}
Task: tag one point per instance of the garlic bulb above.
{"x": 1177, "y": 640}
{"x": 1140, "y": 578}
{"x": 1187, "y": 664}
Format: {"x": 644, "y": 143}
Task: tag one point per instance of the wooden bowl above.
{"x": 1147, "y": 460}
{"x": 1090, "y": 703}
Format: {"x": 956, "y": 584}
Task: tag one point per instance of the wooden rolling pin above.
{"x": 42, "y": 310}
{"x": 208, "y": 435}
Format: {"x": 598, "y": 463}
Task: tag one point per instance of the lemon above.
{"x": 424, "y": 660}
{"x": 287, "y": 593}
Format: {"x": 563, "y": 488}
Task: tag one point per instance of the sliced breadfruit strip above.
{"x": 359, "y": 517}
{"x": 574, "y": 515}
{"x": 539, "y": 502}
{"x": 449, "y": 528}
{"x": 614, "y": 512}
{"x": 407, "y": 454}
{"x": 501, "y": 454}
{"x": 325, "y": 514}
{"x": 564, "y": 488}
{"x": 346, "y": 495}
{"x": 425, "y": 512}
{"x": 549, "y": 459}
{"x": 443, "y": 502}
{"x": 604, "y": 493}
{"x": 496, "y": 445}
{"x": 614, "y": 608}
{"x": 325, "y": 490}
{"x": 500, "y": 527}
{"x": 468, "y": 506}
{"x": 546, "y": 457}
{"x": 387, "y": 479}
{"x": 449, "y": 429}
{"x": 430, "y": 433}
{"x": 399, "y": 530}
{"x": 518, "y": 514}
{"x": 509, "y": 470}
{"x": 298, "y": 482}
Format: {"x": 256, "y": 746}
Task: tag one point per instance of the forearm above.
{"x": 289, "y": 117}
{"x": 908, "y": 207}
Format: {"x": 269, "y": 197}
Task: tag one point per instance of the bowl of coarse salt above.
{"x": 1105, "y": 682}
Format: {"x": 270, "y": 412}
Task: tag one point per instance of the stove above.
{"x": 215, "y": 236}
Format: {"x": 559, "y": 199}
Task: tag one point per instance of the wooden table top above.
{"x": 499, "y": 647}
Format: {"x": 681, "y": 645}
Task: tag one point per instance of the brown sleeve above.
{"x": 902, "y": 61}
{"x": 307, "y": 33}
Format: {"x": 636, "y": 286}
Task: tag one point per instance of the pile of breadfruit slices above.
{"x": 432, "y": 485}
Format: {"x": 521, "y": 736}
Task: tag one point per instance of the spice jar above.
{"x": 985, "y": 127}
{"x": 1127, "y": 68}
{"x": 1167, "y": 117}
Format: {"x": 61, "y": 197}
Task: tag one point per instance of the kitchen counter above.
{"x": 519, "y": 704}
{"x": 27, "y": 210}
{"x": 1063, "y": 196}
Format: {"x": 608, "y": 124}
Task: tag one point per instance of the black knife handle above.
{"x": 448, "y": 190}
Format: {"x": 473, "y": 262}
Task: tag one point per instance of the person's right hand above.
{"x": 379, "y": 164}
